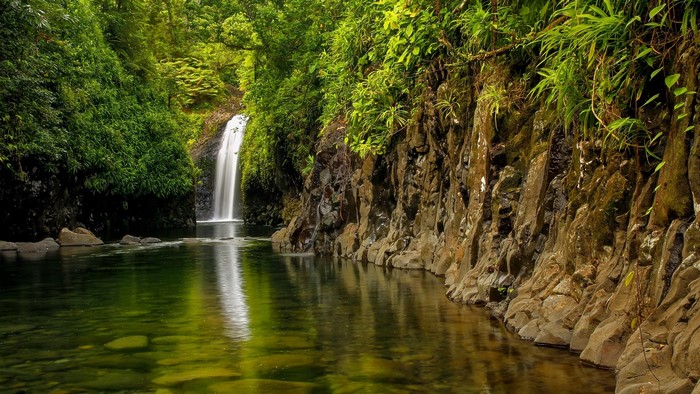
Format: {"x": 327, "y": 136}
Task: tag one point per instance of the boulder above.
{"x": 130, "y": 240}
{"x": 43, "y": 246}
{"x": 84, "y": 231}
{"x": 151, "y": 240}
{"x": 80, "y": 237}
{"x": 7, "y": 246}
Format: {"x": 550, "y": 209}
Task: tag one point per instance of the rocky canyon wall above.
{"x": 572, "y": 244}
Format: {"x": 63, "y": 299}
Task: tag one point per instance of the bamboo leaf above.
{"x": 680, "y": 91}
{"x": 659, "y": 166}
{"x": 654, "y": 97}
{"x": 671, "y": 80}
{"x": 643, "y": 53}
{"x": 656, "y": 10}
{"x": 628, "y": 278}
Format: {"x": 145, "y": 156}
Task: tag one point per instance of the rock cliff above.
{"x": 572, "y": 244}
{"x": 45, "y": 202}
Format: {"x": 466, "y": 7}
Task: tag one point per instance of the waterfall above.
{"x": 227, "y": 187}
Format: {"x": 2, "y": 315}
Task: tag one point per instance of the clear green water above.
{"x": 229, "y": 316}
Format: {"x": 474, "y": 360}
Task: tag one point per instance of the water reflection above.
{"x": 218, "y": 230}
{"x": 233, "y": 299}
{"x": 229, "y": 278}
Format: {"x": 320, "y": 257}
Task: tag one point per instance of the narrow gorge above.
{"x": 573, "y": 245}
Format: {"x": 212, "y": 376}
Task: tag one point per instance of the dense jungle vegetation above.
{"x": 115, "y": 90}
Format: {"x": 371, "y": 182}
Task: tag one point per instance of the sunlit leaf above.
{"x": 671, "y": 80}
{"x": 651, "y": 99}
{"x": 679, "y": 91}
{"x": 654, "y": 11}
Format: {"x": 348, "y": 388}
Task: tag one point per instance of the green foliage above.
{"x": 309, "y": 167}
{"x": 73, "y": 106}
{"x": 114, "y": 90}
{"x": 371, "y": 68}
{"x": 597, "y": 65}
{"x": 194, "y": 81}
{"x": 280, "y": 77}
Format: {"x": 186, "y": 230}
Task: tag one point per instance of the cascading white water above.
{"x": 226, "y": 196}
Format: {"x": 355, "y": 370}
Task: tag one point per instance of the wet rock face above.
{"x": 554, "y": 234}
{"x": 42, "y": 204}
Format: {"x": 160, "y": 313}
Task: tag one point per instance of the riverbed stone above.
{"x": 178, "y": 378}
{"x": 79, "y": 237}
{"x": 119, "y": 361}
{"x": 130, "y": 343}
{"x": 130, "y": 240}
{"x": 277, "y": 364}
{"x": 282, "y": 342}
{"x": 151, "y": 240}
{"x": 377, "y": 369}
{"x": 263, "y": 386}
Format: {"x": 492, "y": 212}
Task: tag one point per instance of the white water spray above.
{"x": 227, "y": 187}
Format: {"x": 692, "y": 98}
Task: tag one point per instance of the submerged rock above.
{"x": 179, "y": 378}
{"x": 278, "y": 364}
{"x": 79, "y": 237}
{"x": 119, "y": 361}
{"x": 378, "y": 370}
{"x": 134, "y": 342}
{"x": 263, "y": 386}
{"x": 116, "y": 381}
{"x": 285, "y": 342}
{"x": 150, "y": 240}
